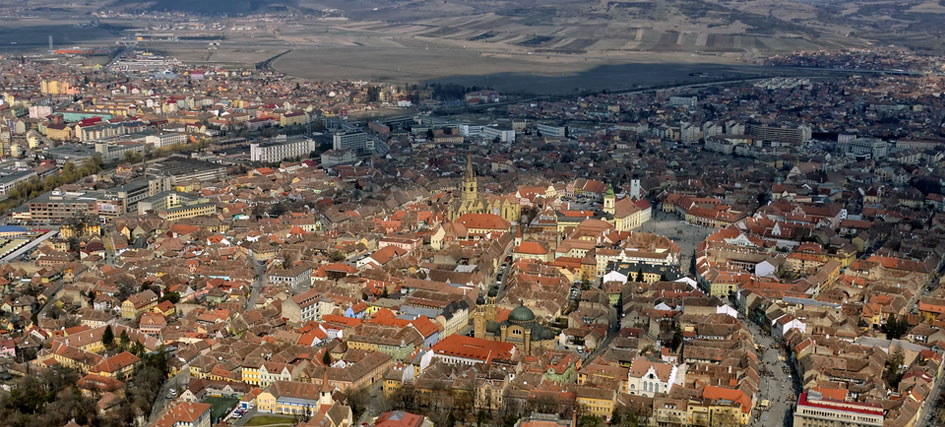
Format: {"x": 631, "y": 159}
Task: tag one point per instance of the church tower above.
{"x": 470, "y": 184}
{"x": 610, "y": 200}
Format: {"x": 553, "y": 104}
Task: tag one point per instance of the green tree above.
{"x": 108, "y": 337}
{"x": 892, "y": 374}
{"x": 172, "y": 296}
{"x": 124, "y": 339}
{"x": 590, "y": 421}
{"x": 895, "y": 327}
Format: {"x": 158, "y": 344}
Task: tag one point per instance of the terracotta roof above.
{"x": 182, "y": 412}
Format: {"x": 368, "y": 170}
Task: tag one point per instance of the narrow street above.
{"x": 776, "y": 385}
{"x": 929, "y": 406}
{"x": 258, "y": 282}
{"x": 178, "y": 383}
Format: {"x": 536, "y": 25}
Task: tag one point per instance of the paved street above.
{"x": 776, "y": 385}
{"x": 258, "y": 282}
{"x": 929, "y": 406}
{"x": 177, "y": 382}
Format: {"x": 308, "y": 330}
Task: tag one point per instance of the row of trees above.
{"x": 35, "y": 186}
{"x": 451, "y": 407}
{"x": 150, "y": 153}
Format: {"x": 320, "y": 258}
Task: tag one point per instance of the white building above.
{"x": 873, "y": 147}
{"x": 115, "y": 152}
{"x": 277, "y": 151}
{"x": 684, "y": 101}
{"x": 552, "y": 131}
{"x": 734, "y": 128}
{"x": 297, "y": 277}
{"x": 357, "y": 141}
{"x": 504, "y": 136}
{"x": 303, "y": 307}
{"x": 647, "y": 377}
{"x": 166, "y": 139}
{"x": 814, "y": 410}
{"x": 690, "y": 133}
{"x": 332, "y": 158}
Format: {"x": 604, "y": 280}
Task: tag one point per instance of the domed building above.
{"x": 520, "y": 328}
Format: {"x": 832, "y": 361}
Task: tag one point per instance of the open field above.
{"x": 534, "y": 46}
{"x": 270, "y": 420}
{"x": 526, "y": 74}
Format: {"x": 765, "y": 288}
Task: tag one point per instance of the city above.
{"x": 192, "y": 242}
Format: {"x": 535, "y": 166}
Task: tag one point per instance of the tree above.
{"x": 895, "y": 327}
{"x": 358, "y": 400}
{"x": 590, "y": 421}
{"x": 171, "y": 296}
{"x": 892, "y": 374}
{"x": 124, "y": 339}
{"x": 108, "y": 337}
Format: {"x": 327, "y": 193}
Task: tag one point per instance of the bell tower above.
{"x": 610, "y": 200}
{"x": 470, "y": 183}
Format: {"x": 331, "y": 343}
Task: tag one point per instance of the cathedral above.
{"x": 471, "y": 202}
{"x": 520, "y": 329}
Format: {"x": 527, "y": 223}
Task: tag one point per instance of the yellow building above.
{"x": 188, "y": 211}
{"x": 138, "y": 303}
{"x": 59, "y": 132}
{"x": 88, "y": 229}
{"x": 293, "y": 118}
{"x": 293, "y": 398}
{"x": 55, "y": 87}
{"x": 597, "y": 402}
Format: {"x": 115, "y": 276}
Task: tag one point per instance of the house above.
{"x": 303, "y": 307}
{"x": 138, "y": 303}
{"x": 185, "y": 414}
{"x": 152, "y": 323}
{"x": 293, "y": 398}
{"x": 119, "y": 366}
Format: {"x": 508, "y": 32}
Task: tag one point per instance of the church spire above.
{"x": 470, "y": 184}
{"x": 470, "y": 173}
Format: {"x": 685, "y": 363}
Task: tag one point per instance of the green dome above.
{"x": 521, "y": 314}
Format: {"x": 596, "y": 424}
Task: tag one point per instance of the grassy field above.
{"x": 220, "y": 406}
{"x": 270, "y": 420}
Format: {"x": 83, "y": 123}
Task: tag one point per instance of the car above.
{"x": 172, "y": 392}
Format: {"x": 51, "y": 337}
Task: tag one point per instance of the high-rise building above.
{"x": 786, "y": 134}
{"x": 279, "y": 150}
{"x": 358, "y": 141}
